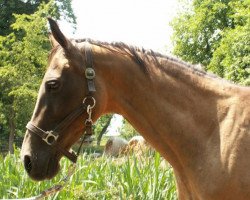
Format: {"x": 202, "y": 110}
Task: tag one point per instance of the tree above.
{"x": 101, "y": 126}
{"x": 216, "y": 35}
{"x": 127, "y": 131}
{"x": 231, "y": 59}
{"x": 23, "y": 58}
{"x": 28, "y": 7}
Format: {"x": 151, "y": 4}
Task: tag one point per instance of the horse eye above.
{"x": 52, "y": 85}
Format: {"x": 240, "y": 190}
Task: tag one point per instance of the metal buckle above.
{"x": 89, "y": 73}
{"x": 50, "y": 138}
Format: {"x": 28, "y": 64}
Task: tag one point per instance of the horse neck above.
{"x": 173, "y": 107}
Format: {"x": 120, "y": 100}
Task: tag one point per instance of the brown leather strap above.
{"x": 36, "y": 130}
{"x": 70, "y": 155}
{"x": 70, "y": 118}
{"x": 60, "y": 128}
{"x": 89, "y": 65}
{"x": 88, "y": 55}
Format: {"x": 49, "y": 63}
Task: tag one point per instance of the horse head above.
{"x": 63, "y": 109}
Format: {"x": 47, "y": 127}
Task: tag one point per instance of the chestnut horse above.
{"x": 198, "y": 122}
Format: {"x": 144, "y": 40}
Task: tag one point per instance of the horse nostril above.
{"x": 27, "y": 163}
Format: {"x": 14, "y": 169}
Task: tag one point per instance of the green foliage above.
{"x": 197, "y": 32}
{"x": 65, "y": 11}
{"x": 215, "y": 34}
{"x": 62, "y": 8}
{"x": 101, "y": 122}
{"x": 23, "y": 59}
{"x": 13, "y": 6}
{"x": 101, "y": 126}
{"x": 147, "y": 177}
{"x": 127, "y": 131}
{"x": 232, "y": 58}
{"x": 22, "y": 62}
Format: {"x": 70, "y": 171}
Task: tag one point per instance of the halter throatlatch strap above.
{"x": 51, "y": 137}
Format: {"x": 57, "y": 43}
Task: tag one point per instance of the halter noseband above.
{"x": 51, "y": 136}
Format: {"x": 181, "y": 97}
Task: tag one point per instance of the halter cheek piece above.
{"x": 89, "y": 102}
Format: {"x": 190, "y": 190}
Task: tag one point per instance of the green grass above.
{"x": 128, "y": 177}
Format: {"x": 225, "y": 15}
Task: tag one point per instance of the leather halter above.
{"x": 51, "y": 136}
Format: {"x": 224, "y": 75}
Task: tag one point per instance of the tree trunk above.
{"x": 12, "y": 131}
{"x": 104, "y": 129}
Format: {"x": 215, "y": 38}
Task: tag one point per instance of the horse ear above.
{"x": 58, "y": 37}
{"x": 52, "y": 40}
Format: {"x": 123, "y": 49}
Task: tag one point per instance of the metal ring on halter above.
{"x": 50, "y": 138}
{"x": 92, "y": 98}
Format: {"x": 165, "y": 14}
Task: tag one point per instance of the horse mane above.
{"x": 141, "y": 56}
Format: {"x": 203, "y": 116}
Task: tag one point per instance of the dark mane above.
{"x": 142, "y": 56}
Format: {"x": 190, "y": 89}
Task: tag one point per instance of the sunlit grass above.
{"x": 127, "y": 177}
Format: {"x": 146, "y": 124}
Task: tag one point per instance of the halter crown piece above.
{"x": 89, "y": 102}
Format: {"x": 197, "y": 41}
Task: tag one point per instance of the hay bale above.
{"x": 137, "y": 145}
{"x": 137, "y": 141}
{"x": 115, "y": 146}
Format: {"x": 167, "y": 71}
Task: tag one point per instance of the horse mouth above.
{"x": 39, "y": 171}
{"x": 52, "y": 168}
